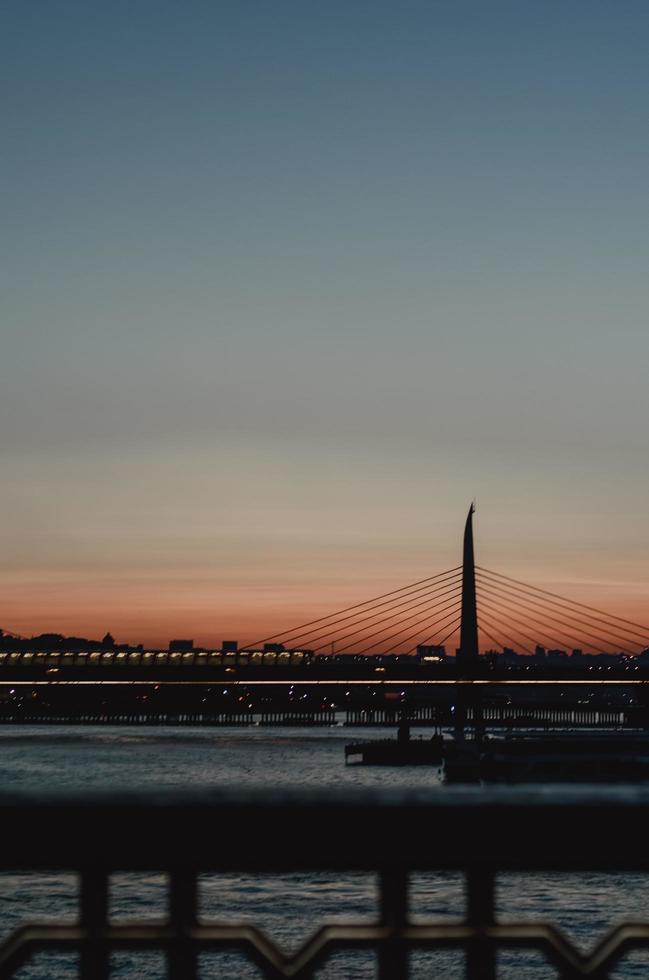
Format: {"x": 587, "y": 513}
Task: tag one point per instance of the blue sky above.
{"x": 285, "y": 285}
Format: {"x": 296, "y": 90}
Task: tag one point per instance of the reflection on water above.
{"x": 287, "y": 907}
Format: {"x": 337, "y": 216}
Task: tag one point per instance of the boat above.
{"x": 587, "y": 757}
{"x": 402, "y": 751}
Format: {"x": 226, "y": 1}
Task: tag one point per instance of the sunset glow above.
{"x": 284, "y": 291}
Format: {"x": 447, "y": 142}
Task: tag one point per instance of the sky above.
{"x": 284, "y": 286}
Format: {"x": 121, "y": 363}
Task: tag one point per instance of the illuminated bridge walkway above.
{"x": 510, "y": 637}
{"x": 404, "y": 632}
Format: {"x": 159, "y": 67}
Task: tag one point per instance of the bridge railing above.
{"x": 390, "y": 833}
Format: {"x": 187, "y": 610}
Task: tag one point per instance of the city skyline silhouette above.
{"x": 525, "y": 618}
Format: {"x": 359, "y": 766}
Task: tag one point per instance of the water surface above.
{"x": 287, "y": 907}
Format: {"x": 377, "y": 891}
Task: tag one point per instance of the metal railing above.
{"x": 390, "y": 832}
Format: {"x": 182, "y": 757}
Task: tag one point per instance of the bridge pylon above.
{"x": 467, "y": 657}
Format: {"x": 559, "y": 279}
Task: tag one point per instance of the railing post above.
{"x": 393, "y": 957}
{"x": 480, "y": 954}
{"x": 182, "y": 961}
{"x": 93, "y": 915}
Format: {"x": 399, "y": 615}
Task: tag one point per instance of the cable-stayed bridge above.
{"x": 511, "y": 615}
{"x": 509, "y": 638}
{"x": 473, "y": 608}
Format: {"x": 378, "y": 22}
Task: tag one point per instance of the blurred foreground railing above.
{"x": 478, "y": 832}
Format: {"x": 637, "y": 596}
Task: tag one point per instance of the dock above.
{"x": 585, "y": 757}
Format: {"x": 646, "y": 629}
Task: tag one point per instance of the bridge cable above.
{"x": 418, "y": 632}
{"x": 533, "y": 639}
{"x": 501, "y": 646}
{"x": 576, "y": 620}
{"x": 358, "y": 605}
{"x": 550, "y": 607}
{"x": 399, "y": 633}
{"x": 553, "y": 618}
{"x": 411, "y": 603}
{"x": 518, "y": 632}
{"x": 573, "y": 602}
{"x": 498, "y": 627}
{"x": 440, "y": 643}
{"x": 438, "y": 617}
{"x": 404, "y": 618}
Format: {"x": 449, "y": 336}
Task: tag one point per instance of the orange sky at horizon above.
{"x": 191, "y": 551}
{"x": 164, "y": 608}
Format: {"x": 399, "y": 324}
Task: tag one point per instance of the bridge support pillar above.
{"x": 467, "y": 656}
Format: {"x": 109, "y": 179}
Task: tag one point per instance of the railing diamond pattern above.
{"x": 182, "y": 937}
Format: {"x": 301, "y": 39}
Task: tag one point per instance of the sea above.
{"x": 288, "y": 907}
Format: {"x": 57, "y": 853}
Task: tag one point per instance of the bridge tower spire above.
{"x": 468, "y": 652}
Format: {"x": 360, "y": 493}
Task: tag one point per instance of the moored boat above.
{"x": 392, "y": 752}
{"x": 591, "y": 757}
{"x": 402, "y": 751}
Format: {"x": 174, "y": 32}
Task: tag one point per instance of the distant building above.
{"x": 539, "y": 653}
{"x": 431, "y": 653}
{"x": 230, "y": 646}
{"x": 108, "y": 641}
{"x": 47, "y": 639}
{"x": 180, "y": 646}
{"x": 273, "y": 648}
{"x": 509, "y": 655}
